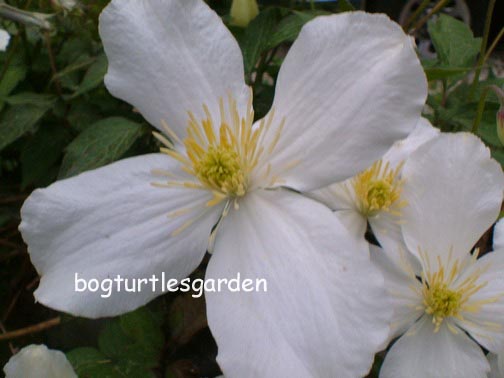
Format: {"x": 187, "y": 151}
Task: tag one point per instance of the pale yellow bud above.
{"x": 243, "y": 11}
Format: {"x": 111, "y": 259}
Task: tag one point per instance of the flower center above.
{"x": 441, "y": 302}
{"x": 220, "y": 168}
{"x": 447, "y": 295}
{"x": 378, "y": 189}
{"x": 221, "y": 156}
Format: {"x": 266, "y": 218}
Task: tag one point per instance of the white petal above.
{"x": 500, "y": 364}
{"x": 338, "y": 196}
{"x": 494, "y": 366}
{"x": 498, "y": 235}
{"x": 4, "y": 40}
{"x": 324, "y": 313}
{"x": 36, "y": 361}
{"x": 445, "y": 180}
{"x": 487, "y": 325}
{"x": 402, "y": 149}
{"x": 400, "y": 283}
{"x": 350, "y": 86}
{"x": 109, "y": 222}
{"x": 425, "y": 354}
{"x": 168, "y": 57}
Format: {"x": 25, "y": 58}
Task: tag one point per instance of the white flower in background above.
{"x": 176, "y": 62}
{"x": 4, "y": 39}
{"x": 37, "y": 361}
{"x": 454, "y": 194}
{"x": 374, "y": 195}
{"x": 66, "y": 5}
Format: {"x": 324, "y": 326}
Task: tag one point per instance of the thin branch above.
{"x": 31, "y": 329}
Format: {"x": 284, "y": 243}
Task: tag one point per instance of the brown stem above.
{"x": 31, "y": 329}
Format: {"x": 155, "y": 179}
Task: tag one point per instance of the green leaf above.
{"x": 101, "y": 143}
{"x": 144, "y": 327}
{"x": 345, "y": 6}
{"x": 93, "y": 77}
{"x": 439, "y": 73}
{"x": 17, "y": 121}
{"x": 454, "y": 42}
{"x": 15, "y": 73}
{"x": 134, "y": 341}
{"x": 91, "y": 363}
{"x": 255, "y": 40}
{"x": 31, "y": 98}
{"x": 289, "y": 27}
{"x": 41, "y": 153}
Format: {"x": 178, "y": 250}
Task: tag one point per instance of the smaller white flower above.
{"x": 35, "y": 361}
{"x": 374, "y": 195}
{"x": 4, "y": 40}
{"x": 497, "y": 360}
{"x": 454, "y": 193}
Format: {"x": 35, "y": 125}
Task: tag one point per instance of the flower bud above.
{"x": 243, "y": 11}
{"x": 4, "y": 40}
{"x": 500, "y": 114}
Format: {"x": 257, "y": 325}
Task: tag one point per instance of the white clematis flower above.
{"x": 375, "y": 195}
{"x": 4, "y": 39}
{"x": 454, "y": 194}
{"x": 176, "y": 62}
{"x": 35, "y": 361}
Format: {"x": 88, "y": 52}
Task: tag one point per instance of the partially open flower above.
{"x": 500, "y": 113}
{"x": 37, "y": 361}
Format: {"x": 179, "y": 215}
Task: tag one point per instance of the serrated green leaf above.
{"x": 454, "y": 42}
{"x": 41, "y": 153}
{"x": 17, "y": 121}
{"x": 101, "y": 143}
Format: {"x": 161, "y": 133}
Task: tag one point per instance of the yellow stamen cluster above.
{"x": 222, "y": 157}
{"x": 378, "y": 189}
{"x": 445, "y": 295}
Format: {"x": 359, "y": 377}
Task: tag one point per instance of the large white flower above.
{"x": 454, "y": 192}
{"x": 35, "y": 361}
{"x": 375, "y": 195}
{"x": 175, "y": 61}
